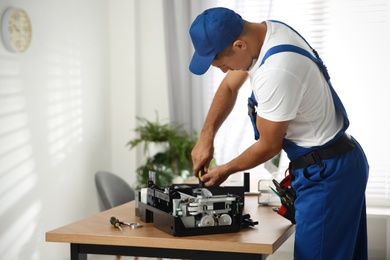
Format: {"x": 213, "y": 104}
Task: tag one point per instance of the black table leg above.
{"x": 75, "y": 253}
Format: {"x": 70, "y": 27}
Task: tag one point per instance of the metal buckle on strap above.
{"x": 317, "y": 159}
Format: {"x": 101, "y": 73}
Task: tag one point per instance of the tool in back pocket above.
{"x": 287, "y": 197}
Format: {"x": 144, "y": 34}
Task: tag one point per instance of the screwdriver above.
{"x": 116, "y": 223}
{"x": 200, "y": 174}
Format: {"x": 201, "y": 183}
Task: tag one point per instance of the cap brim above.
{"x": 200, "y": 64}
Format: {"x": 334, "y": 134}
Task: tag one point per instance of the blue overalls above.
{"x": 330, "y": 210}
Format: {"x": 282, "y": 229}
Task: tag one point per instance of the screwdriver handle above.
{"x": 200, "y": 174}
{"x": 115, "y": 222}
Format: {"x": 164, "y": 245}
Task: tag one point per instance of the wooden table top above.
{"x": 264, "y": 238}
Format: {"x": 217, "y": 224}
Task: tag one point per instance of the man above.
{"x": 297, "y": 111}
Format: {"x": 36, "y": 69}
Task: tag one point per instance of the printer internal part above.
{"x": 187, "y": 210}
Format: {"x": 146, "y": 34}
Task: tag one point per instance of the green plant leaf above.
{"x": 168, "y": 164}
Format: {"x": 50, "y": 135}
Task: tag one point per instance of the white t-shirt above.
{"x": 290, "y": 87}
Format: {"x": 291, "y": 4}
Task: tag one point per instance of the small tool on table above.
{"x": 116, "y": 223}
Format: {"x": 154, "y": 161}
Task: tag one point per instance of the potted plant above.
{"x": 175, "y": 157}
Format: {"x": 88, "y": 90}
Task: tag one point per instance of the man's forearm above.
{"x": 223, "y": 103}
{"x": 220, "y": 108}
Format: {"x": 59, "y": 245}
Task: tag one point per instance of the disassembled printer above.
{"x": 186, "y": 210}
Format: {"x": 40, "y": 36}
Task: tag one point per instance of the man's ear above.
{"x": 239, "y": 44}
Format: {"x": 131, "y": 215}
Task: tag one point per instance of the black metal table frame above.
{"x": 81, "y": 251}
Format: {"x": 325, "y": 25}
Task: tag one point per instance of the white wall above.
{"x": 123, "y": 91}
{"x": 54, "y": 124}
{"x": 67, "y": 109}
{"x": 138, "y": 75}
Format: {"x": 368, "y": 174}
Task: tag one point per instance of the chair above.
{"x": 112, "y": 190}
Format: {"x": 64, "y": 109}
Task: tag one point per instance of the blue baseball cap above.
{"x": 211, "y": 32}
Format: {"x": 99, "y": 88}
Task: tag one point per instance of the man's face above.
{"x": 238, "y": 59}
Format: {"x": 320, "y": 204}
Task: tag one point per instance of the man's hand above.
{"x": 269, "y": 144}
{"x": 215, "y": 176}
{"x": 202, "y": 154}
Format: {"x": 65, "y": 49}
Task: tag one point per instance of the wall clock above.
{"x": 16, "y": 29}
